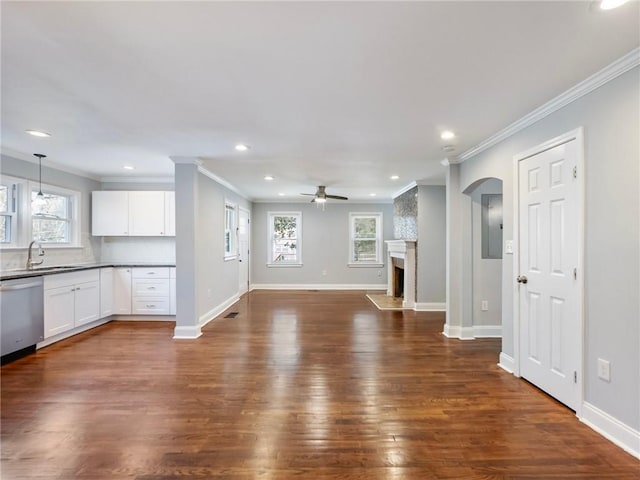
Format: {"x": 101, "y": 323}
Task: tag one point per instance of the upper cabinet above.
{"x": 133, "y": 213}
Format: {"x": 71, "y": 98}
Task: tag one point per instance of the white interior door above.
{"x": 243, "y": 249}
{"x": 550, "y": 325}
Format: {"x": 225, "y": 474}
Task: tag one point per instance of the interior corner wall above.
{"x": 217, "y": 279}
{"x": 487, "y": 272}
{"x": 431, "y": 245}
{"x": 325, "y": 246}
{"x": 610, "y": 116}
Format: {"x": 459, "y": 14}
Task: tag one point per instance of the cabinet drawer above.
{"x": 58, "y": 280}
{"x": 158, "y": 272}
{"x": 145, "y": 287}
{"x": 151, "y": 306}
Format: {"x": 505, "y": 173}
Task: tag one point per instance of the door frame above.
{"x": 577, "y": 135}
{"x": 248, "y": 258}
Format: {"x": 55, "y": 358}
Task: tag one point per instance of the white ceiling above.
{"x": 338, "y": 94}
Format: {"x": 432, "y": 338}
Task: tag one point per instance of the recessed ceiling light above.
{"x": 281, "y": 194}
{"x": 447, "y": 135}
{"x": 611, "y": 4}
{"x": 372, "y": 194}
{"x": 38, "y": 133}
{"x": 128, "y": 167}
{"x": 394, "y": 177}
{"x": 268, "y": 178}
{"x": 242, "y": 147}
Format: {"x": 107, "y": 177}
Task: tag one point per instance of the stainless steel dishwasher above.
{"x": 21, "y": 314}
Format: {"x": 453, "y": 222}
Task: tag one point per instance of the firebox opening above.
{"x": 398, "y": 277}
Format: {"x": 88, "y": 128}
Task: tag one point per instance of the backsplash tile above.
{"x": 405, "y": 215}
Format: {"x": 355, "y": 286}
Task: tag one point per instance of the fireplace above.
{"x": 401, "y": 274}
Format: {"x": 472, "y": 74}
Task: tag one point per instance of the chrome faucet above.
{"x": 31, "y": 263}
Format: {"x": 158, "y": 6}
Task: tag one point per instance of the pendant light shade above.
{"x": 40, "y": 157}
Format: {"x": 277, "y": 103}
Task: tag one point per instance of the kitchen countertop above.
{"x": 55, "y": 269}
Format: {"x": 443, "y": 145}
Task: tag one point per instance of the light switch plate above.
{"x": 508, "y": 246}
{"x": 604, "y": 370}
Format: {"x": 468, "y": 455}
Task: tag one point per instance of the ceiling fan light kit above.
{"x": 321, "y": 196}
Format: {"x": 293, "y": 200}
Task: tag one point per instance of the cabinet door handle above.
{"x": 151, "y": 273}
{"x": 151, "y": 288}
{"x": 150, "y": 306}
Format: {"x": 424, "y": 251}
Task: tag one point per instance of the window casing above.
{"x": 230, "y": 231}
{"x": 51, "y": 217}
{"x": 285, "y": 239}
{"x": 8, "y": 212}
{"x": 365, "y": 239}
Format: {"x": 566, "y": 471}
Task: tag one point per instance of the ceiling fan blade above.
{"x": 311, "y": 194}
{"x": 313, "y": 199}
{"x": 337, "y": 197}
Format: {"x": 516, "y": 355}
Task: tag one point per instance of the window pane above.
{"x": 5, "y": 229}
{"x": 284, "y": 250}
{"x": 4, "y": 198}
{"x": 364, "y": 251}
{"x": 50, "y": 204}
{"x": 365, "y": 227}
{"x": 285, "y": 227}
{"x": 51, "y": 231}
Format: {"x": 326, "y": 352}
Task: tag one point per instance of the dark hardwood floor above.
{"x": 309, "y": 385}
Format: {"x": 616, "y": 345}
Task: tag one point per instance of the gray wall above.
{"x": 90, "y": 250}
{"x": 325, "y": 245}
{"x": 487, "y": 272}
{"x": 610, "y": 117}
{"x": 431, "y": 245}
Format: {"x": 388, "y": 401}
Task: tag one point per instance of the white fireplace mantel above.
{"x": 406, "y": 250}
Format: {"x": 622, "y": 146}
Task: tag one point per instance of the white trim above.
{"x": 610, "y": 72}
{"x": 318, "y": 286}
{"x": 456, "y": 331}
{"x": 142, "y": 318}
{"x": 187, "y": 161}
{"x": 487, "y": 331}
{"x": 214, "y": 312}
{"x": 577, "y": 135}
{"x": 379, "y": 241}
{"x": 190, "y": 332}
{"x": 221, "y": 181}
{"x": 404, "y": 189}
{"x": 611, "y": 428}
{"x": 130, "y": 179}
{"x": 72, "y": 332}
{"x": 365, "y": 265}
{"x": 430, "y": 307}
{"x": 270, "y": 238}
{"x": 506, "y": 362}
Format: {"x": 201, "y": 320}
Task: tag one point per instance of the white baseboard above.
{"x": 214, "y": 312}
{"x": 455, "y": 331}
{"x": 471, "y": 333}
{"x": 430, "y": 307}
{"x": 487, "y": 331}
{"x": 187, "y": 333}
{"x": 318, "y": 286}
{"x": 507, "y": 363}
{"x": 612, "y": 429}
{"x": 72, "y": 332}
{"x": 144, "y": 318}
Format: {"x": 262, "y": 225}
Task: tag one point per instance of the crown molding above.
{"x": 116, "y": 179}
{"x": 46, "y": 163}
{"x": 610, "y": 72}
{"x": 404, "y": 189}
{"x": 187, "y": 161}
{"x": 221, "y": 181}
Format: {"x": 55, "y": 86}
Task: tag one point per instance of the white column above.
{"x": 409, "y": 275}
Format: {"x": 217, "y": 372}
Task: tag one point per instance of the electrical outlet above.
{"x": 324, "y": 273}
{"x": 379, "y": 273}
{"x": 604, "y": 370}
{"x": 484, "y": 306}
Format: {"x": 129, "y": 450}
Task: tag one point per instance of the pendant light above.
{"x": 40, "y": 157}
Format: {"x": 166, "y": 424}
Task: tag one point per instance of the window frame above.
{"x": 271, "y": 238}
{"x": 379, "y": 261}
{"x": 231, "y": 230}
{"x": 15, "y": 187}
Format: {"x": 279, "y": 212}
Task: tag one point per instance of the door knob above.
{"x": 522, "y": 279}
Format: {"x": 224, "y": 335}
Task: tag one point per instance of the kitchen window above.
{"x": 230, "y": 231}
{"x": 365, "y": 239}
{"x": 285, "y": 245}
{"x": 51, "y": 217}
{"x": 8, "y": 208}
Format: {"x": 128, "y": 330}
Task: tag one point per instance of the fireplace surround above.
{"x": 401, "y": 260}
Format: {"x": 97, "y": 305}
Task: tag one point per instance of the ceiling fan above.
{"x": 321, "y": 195}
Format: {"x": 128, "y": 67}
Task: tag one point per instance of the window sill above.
{"x": 45, "y": 246}
{"x": 284, "y": 265}
{"x": 365, "y": 265}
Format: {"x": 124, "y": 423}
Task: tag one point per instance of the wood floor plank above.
{"x": 299, "y": 385}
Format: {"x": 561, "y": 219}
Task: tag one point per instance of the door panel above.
{"x": 548, "y": 249}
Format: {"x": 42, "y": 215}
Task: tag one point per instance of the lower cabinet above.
{"x": 122, "y": 291}
{"x": 70, "y": 300}
{"x": 150, "y": 291}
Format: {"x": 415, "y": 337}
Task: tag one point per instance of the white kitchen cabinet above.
{"x": 70, "y": 300}
{"x": 146, "y": 213}
{"x": 110, "y": 213}
{"x": 58, "y": 310}
{"x": 172, "y": 290}
{"x": 122, "y": 290}
{"x": 170, "y": 214}
{"x": 106, "y": 292}
{"x": 150, "y": 291}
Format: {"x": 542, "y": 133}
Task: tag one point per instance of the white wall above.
{"x": 487, "y": 272}
{"x": 610, "y": 117}
{"x": 431, "y": 246}
{"x": 90, "y": 251}
{"x": 325, "y": 245}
